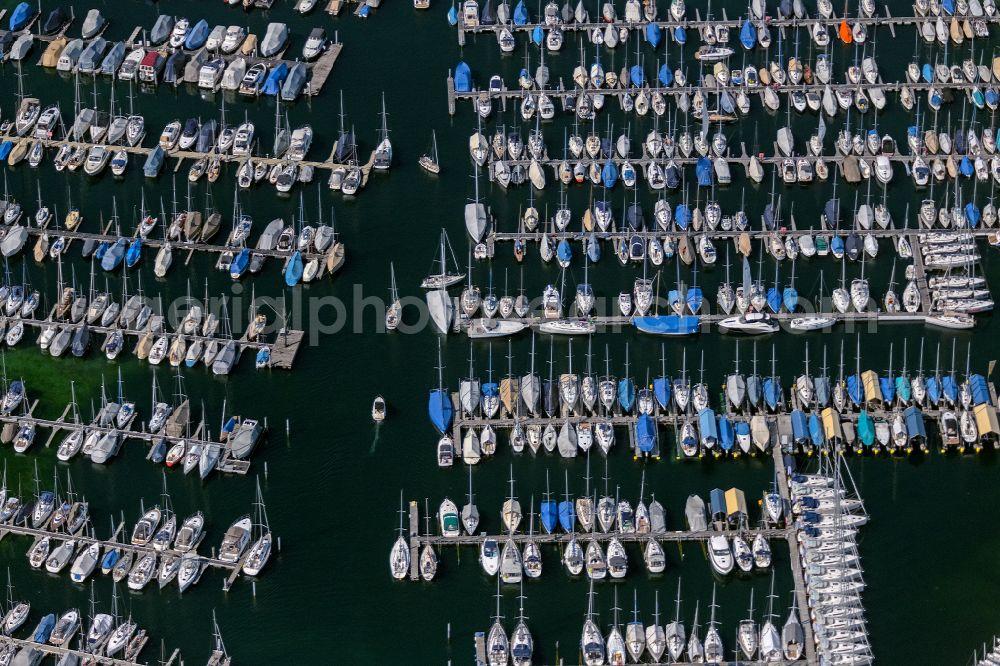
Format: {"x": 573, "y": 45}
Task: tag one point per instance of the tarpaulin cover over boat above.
{"x": 816, "y": 431}
{"x": 800, "y": 428}
{"x": 703, "y": 169}
{"x": 949, "y": 389}
{"x": 549, "y": 511}
{"x": 707, "y": 426}
{"x": 986, "y": 420}
{"x": 661, "y": 390}
{"x": 888, "y": 388}
{"x": 980, "y": 393}
{"x": 914, "y": 420}
{"x": 653, "y": 34}
{"x": 645, "y": 430}
{"x": 665, "y": 75}
{"x": 855, "y": 389}
{"x": 866, "y": 429}
{"x": 717, "y": 504}
{"x": 872, "y": 393}
{"x": 725, "y": 434}
{"x": 736, "y": 503}
{"x": 636, "y": 75}
{"x": 626, "y": 394}
{"x": 567, "y": 515}
{"x": 463, "y": 77}
{"x": 831, "y": 426}
{"x": 440, "y": 409}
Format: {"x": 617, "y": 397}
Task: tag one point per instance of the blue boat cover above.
{"x": 703, "y": 169}
{"x": 134, "y": 252}
{"x": 645, "y": 430}
{"x": 966, "y": 167}
{"x": 772, "y": 391}
{"x": 694, "y": 299}
{"x": 948, "y": 6}
{"x": 903, "y": 388}
{"x": 866, "y": 429}
{"x": 567, "y": 515}
{"x": 666, "y": 75}
{"x": 440, "y": 409}
{"x": 800, "y": 427}
{"x": 972, "y": 214}
{"x": 725, "y": 434}
{"x": 816, "y": 431}
{"x": 742, "y": 429}
{"x": 490, "y": 390}
{"x": 914, "y": 420}
{"x": 636, "y": 75}
{"x": 933, "y": 390}
{"x": 5, "y": 149}
{"x": 538, "y": 35}
{"x": 609, "y": 174}
{"x": 790, "y": 297}
{"x": 855, "y": 389}
{"x": 626, "y": 394}
{"x": 717, "y": 502}
{"x": 748, "y": 35}
{"x": 980, "y": 393}
{"x": 549, "y": 513}
{"x": 463, "y": 77}
{"x": 682, "y": 215}
{"x": 667, "y": 325}
{"x": 21, "y": 15}
{"x": 992, "y": 97}
{"x": 661, "y": 391}
{"x": 680, "y": 35}
{"x": 653, "y": 34}
{"x": 293, "y": 272}
{"x": 452, "y": 16}
{"x": 707, "y": 425}
{"x": 593, "y": 248}
{"x": 773, "y": 299}
{"x": 837, "y": 245}
{"x": 832, "y": 212}
{"x": 949, "y": 388}
{"x": 888, "y": 388}
{"x": 272, "y": 86}
{"x": 520, "y": 13}
{"x": 564, "y": 252}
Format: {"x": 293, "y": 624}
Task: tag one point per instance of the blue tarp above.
{"x": 717, "y": 503}
{"x": 463, "y": 77}
{"x": 949, "y": 389}
{"x": 966, "y": 167}
{"x": 774, "y": 299}
{"x": 680, "y": 35}
{"x": 888, "y": 388}
{"x": 772, "y": 391}
{"x": 703, "y": 169}
{"x": 549, "y": 514}
{"x": 694, "y": 299}
{"x": 538, "y": 35}
{"x": 609, "y": 174}
{"x": 667, "y": 324}
{"x": 272, "y": 86}
{"x": 665, "y": 75}
{"x": 661, "y": 391}
{"x": 682, "y": 215}
{"x": 708, "y": 427}
{"x": 645, "y": 430}
{"x": 816, "y": 431}
{"x": 293, "y": 272}
{"x": 972, "y": 214}
{"x": 914, "y": 420}
{"x": 800, "y": 427}
{"x": 626, "y": 394}
{"x": 452, "y": 16}
{"x": 567, "y": 515}
{"x": 564, "y": 252}
{"x": 790, "y": 297}
{"x": 653, "y": 34}
{"x": 440, "y": 409}
{"x": 855, "y": 389}
{"x": 20, "y": 16}
{"x": 520, "y": 13}
{"x": 748, "y": 35}
{"x": 636, "y": 75}
{"x": 933, "y": 390}
{"x": 978, "y": 389}
{"x": 725, "y": 434}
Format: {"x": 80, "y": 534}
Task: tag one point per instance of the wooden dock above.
{"x": 798, "y": 577}
{"x": 59, "y": 652}
{"x": 583, "y": 537}
{"x": 698, "y": 23}
{"x": 323, "y": 67}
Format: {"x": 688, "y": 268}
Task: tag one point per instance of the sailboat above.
{"x": 260, "y": 550}
{"x": 497, "y": 644}
{"x": 470, "y": 513}
{"x": 430, "y": 162}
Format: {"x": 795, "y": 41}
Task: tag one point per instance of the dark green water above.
{"x": 333, "y": 484}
